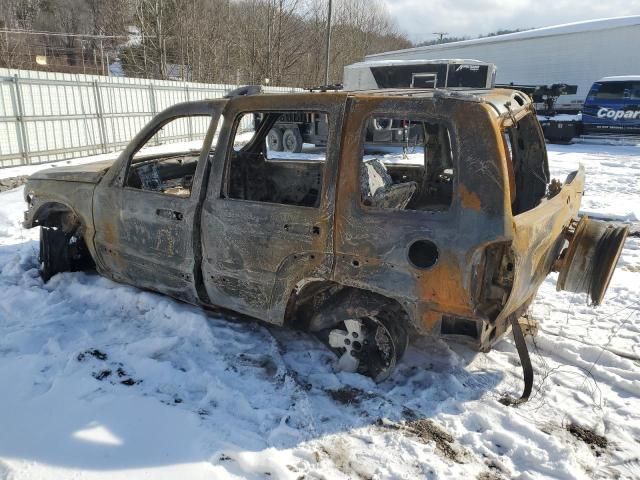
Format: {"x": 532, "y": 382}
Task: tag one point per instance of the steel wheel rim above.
{"x": 289, "y": 142}
{"x": 273, "y": 140}
{"x": 364, "y": 346}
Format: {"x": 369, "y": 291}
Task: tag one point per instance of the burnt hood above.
{"x": 87, "y": 173}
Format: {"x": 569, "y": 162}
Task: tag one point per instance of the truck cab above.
{"x": 613, "y": 106}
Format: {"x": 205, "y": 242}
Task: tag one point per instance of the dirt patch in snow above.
{"x": 489, "y": 476}
{"x": 340, "y": 451}
{"x": 11, "y": 183}
{"x": 587, "y": 435}
{"x": 348, "y": 395}
{"x": 427, "y": 431}
{"x": 120, "y": 376}
{"x": 93, "y": 353}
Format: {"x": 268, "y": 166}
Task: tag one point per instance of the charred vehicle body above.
{"x": 453, "y": 238}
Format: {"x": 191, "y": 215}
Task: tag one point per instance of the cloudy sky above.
{"x": 419, "y": 18}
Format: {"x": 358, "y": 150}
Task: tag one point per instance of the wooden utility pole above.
{"x": 441, "y": 35}
{"x": 227, "y": 70}
{"x": 84, "y": 70}
{"x": 327, "y": 47}
{"x": 101, "y": 54}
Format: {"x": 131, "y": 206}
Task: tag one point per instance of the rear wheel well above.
{"x": 367, "y": 332}
{"x": 321, "y": 304}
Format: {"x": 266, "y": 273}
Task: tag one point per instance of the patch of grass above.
{"x": 427, "y": 431}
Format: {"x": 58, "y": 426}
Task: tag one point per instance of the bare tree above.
{"x": 221, "y": 41}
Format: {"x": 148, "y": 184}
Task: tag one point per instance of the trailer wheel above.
{"x": 274, "y": 140}
{"x": 378, "y": 124}
{"x": 382, "y": 123}
{"x": 292, "y": 140}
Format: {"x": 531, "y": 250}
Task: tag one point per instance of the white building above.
{"x": 576, "y": 53}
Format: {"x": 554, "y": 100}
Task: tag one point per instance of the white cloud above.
{"x": 420, "y": 18}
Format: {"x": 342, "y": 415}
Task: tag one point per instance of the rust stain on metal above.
{"x": 469, "y": 199}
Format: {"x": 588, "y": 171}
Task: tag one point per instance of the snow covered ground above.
{"x": 101, "y": 380}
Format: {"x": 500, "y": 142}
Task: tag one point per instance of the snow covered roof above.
{"x": 565, "y": 29}
{"x": 621, "y": 78}
{"x": 386, "y": 63}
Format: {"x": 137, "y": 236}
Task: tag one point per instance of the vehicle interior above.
{"x": 296, "y": 179}
{"x": 292, "y": 179}
{"x": 170, "y": 168}
{"x": 418, "y": 176}
{"x": 169, "y": 175}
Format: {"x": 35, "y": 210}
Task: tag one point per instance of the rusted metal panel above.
{"x": 377, "y": 240}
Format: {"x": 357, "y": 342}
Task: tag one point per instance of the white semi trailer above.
{"x": 577, "y": 54}
{"x": 441, "y": 73}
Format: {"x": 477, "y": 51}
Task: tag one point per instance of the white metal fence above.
{"x": 47, "y": 116}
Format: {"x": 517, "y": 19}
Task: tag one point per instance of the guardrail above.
{"x": 47, "y": 116}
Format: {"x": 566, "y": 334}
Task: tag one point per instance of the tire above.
{"x": 292, "y": 140}
{"x": 371, "y": 345}
{"x": 274, "y": 140}
{"x": 55, "y": 254}
{"x": 62, "y": 252}
{"x": 376, "y": 125}
{"x": 382, "y": 123}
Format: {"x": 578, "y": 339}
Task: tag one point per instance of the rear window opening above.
{"x": 407, "y": 164}
{"x": 527, "y": 163}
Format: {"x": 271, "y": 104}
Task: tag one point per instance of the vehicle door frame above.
{"x": 228, "y": 282}
{"x": 178, "y": 276}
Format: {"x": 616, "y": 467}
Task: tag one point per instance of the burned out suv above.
{"x": 451, "y": 235}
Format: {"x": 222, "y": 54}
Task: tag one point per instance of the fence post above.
{"x": 100, "y": 114}
{"x": 18, "y": 108}
{"x": 152, "y": 99}
{"x": 186, "y": 89}
{"x": 154, "y": 108}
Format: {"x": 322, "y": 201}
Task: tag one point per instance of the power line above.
{"x": 62, "y": 34}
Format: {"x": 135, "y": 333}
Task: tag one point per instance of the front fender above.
{"x": 47, "y": 197}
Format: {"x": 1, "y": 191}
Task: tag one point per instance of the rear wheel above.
{"x": 292, "y": 140}
{"x": 370, "y": 345}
